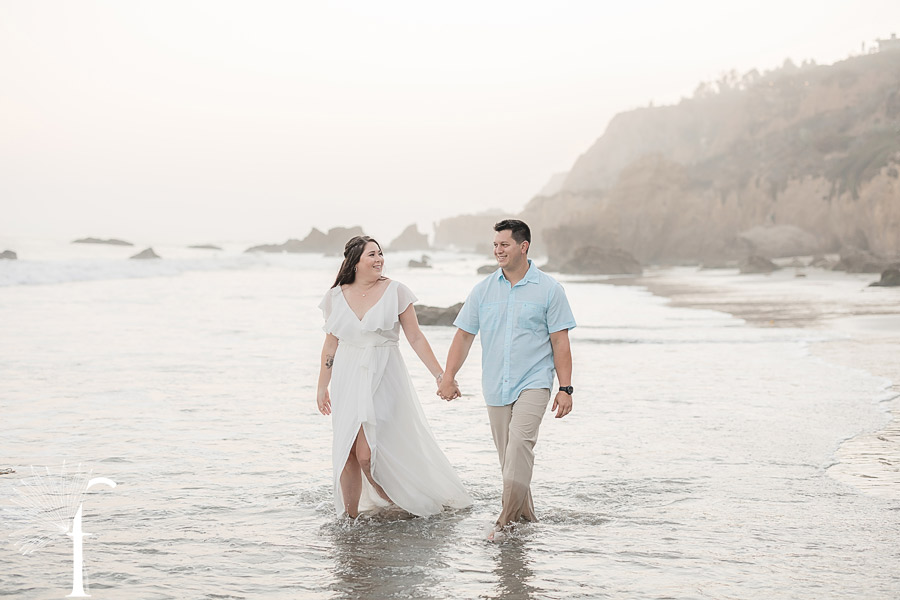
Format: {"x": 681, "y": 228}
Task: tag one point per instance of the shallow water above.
{"x": 695, "y": 464}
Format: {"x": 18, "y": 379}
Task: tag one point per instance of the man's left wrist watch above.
{"x": 567, "y": 389}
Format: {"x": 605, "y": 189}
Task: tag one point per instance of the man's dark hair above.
{"x": 518, "y": 229}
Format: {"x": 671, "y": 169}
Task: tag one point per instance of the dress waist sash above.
{"x": 385, "y": 344}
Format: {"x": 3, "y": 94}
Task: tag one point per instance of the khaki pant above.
{"x": 515, "y": 430}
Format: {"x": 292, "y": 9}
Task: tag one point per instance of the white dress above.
{"x": 371, "y": 388}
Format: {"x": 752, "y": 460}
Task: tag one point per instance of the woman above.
{"x": 383, "y": 450}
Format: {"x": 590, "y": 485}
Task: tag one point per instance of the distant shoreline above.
{"x": 786, "y": 305}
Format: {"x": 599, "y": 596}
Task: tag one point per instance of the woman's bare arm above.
{"x": 410, "y": 324}
{"x": 323, "y": 399}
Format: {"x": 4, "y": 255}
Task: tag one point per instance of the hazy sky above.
{"x": 214, "y": 120}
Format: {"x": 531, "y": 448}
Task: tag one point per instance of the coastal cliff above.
{"x": 807, "y": 157}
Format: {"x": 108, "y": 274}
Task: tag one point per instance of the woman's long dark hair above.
{"x": 352, "y": 253}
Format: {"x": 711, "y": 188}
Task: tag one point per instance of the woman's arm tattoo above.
{"x": 329, "y": 360}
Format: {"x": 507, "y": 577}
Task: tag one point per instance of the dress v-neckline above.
{"x": 368, "y": 310}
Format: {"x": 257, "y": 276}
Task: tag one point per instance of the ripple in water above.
{"x": 695, "y": 464}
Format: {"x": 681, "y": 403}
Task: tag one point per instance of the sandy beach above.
{"x": 816, "y": 299}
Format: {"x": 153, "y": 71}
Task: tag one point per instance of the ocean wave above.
{"x": 48, "y": 272}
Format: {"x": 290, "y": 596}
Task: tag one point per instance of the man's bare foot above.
{"x": 494, "y": 533}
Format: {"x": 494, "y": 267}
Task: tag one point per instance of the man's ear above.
{"x": 526, "y": 245}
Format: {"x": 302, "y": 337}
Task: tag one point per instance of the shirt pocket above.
{"x": 532, "y": 317}
{"x": 489, "y": 317}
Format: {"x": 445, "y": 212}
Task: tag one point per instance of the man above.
{"x": 524, "y": 320}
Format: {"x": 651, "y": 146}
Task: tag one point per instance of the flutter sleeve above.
{"x": 405, "y": 297}
{"x": 326, "y": 306}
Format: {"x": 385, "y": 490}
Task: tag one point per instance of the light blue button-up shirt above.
{"x": 515, "y": 324}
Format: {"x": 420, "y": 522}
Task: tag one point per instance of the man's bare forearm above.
{"x": 562, "y": 356}
{"x": 459, "y": 351}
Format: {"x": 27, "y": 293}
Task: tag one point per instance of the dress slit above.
{"x": 367, "y": 488}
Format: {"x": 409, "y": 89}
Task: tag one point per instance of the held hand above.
{"x": 323, "y": 401}
{"x": 562, "y": 404}
{"x": 448, "y": 389}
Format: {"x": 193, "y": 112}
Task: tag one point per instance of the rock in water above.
{"x": 424, "y": 263}
{"x": 821, "y": 262}
{"x": 593, "y": 260}
{"x": 205, "y": 247}
{"x": 435, "y": 315}
{"x": 410, "y": 239}
{"x": 718, "y": 264}
{"x": 144, "y": 254}
{"x": 326, "y": 243}
{"x": 487, "y": 269}
{"x": 889, "y": 278}
{"x": 9, "y": 255}
{"x": 757, "y": 264}
{"x": 111, "y": 241}
{"x": 292, "y": 245}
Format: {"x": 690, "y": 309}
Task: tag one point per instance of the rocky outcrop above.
{"x": 434, "y": 315}
{"x": 854, "y": 260}
{"x": 595, "y": 260}
{"x": 326, "y": 243}
{"x": 757, "y": 264}
{"x": 889, "y": 278}
{"x": 410, "y": 239}
{"x": 578, "y": 249}
{"x": 487, "y": 269}
{"x": 146, "y": 254}
{"x": 468, "y": 233}
{"x": 8, "y": 255}
{"x": 205, "y": 247}
{"x": 111, "y": 241}
{"x": 545, "y": 213}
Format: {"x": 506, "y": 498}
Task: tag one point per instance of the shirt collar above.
{"x": 531, "y": 275}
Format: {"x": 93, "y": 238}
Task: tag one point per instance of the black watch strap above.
{"x": 567, "y": 389}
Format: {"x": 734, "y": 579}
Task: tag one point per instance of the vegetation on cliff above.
{"x": 812, "y": 149}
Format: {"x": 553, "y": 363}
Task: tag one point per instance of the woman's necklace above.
{"x": 369, "y": 289}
